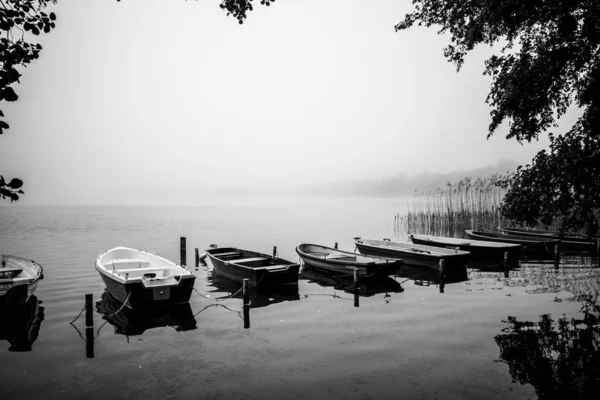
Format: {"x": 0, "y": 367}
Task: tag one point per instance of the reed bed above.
{"x": 467, "y": 204}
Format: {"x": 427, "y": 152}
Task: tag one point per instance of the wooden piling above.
{"x": 356, "y": 288}
{"x": 442, "y": 272}
{"x": 246, "y": 300}
{"x": 598, "y": 252}
{"x": 89, "y": 326}
{"x": 556, "y": 256}
{"x": 197, "y": 257}
{"x": 506, "y": 264}
{"x": 182, "y": 248}
{"x": 274, "y": 251}
{"x": 335, "y": 246}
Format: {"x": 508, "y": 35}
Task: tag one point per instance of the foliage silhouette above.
{"x": 549, "y": 60}
{"x": 559, "y": 359}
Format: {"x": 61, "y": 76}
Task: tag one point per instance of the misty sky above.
{"x": 172, "y": 100}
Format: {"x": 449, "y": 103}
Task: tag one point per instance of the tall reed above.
{"x": 467, "y": 204}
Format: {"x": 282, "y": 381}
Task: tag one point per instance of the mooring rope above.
{"x": 119, "y": 310}
{"x": 220, "y": 305}
{"x": 335, "y": 296}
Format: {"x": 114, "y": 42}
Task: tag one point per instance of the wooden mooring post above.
{"x": 197, "y": 257}
{"x": 182, "y": 253}
{"x": 598, "y": 252}
{"x": 442, "y": 273}
{"x": 506, "y": 264}
{"x": 89, "y": 326}
{"x": 274, "y": 251}
{"x": 556, "y": 256}
{"x": 246, "y": 300}
{"x": 335, "y": 245}
{"x": 356, "y": 287}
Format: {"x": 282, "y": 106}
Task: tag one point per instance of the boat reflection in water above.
{"x": 259, "y": 297}
{"x": 431, "y": 276}
{"x": 20, "y": 323}
{"x": 560, "y": 359}
{"x": 131, "y": 322}
{"x": 366, "y": 288}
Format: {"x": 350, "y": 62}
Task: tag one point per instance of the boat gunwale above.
{"x": 285, "y": 262}
{"x": 377, "y": 260}
{"x": 434, "y": 253}
{"x": 479, "y": 244}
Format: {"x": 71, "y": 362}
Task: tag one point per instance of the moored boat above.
{"x": 261, "y": 270}
{"x": 18, "y": 279}
{"x": 141, "y": 279}
{"x": 413, "y": 254}
{"x": 528, "y": 242}
{"x": 482, "y": 252}
{"x": 569, "y": 241}
{"x": 344, "y": 262}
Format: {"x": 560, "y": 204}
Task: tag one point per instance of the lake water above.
{"x": 405, "y": 340}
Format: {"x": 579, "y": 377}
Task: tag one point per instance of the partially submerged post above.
{"x": 197, "y": 258}
{"x": 246, "y": 300}
{"x": 556, "y": 256}
{"x": 356, "y": 287}
{"x": 274, "y": 251}
{"x": 506, "y": 264}
{"x": 598, "y": 252}
{"x": 335, "y": 246}
{"x": 183, "y": 257}
{"x": 441, "y": 276}
{"x": 89, "y": 326}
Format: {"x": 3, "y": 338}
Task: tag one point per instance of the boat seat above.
{"x": 11, "y": 270}
{"x": 250, "y": 259}
{"x": 341, "y": 257}
{"x": 270, "y": 267}
{"x": 142, "y": 271}
{"x": 232, "y": 253}
{"x": 125, "y": 263}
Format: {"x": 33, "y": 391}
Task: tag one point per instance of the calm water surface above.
{"x": 405, "y": 340}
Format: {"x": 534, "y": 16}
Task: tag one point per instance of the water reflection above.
{"x": 258, "y": 297}
{"x": 560, "y": 359}
{"x": 428, "y": 276}
{"x": 20, "y": 324}
{"x": 135, "y": 322}
{"x": 366, "y": 288}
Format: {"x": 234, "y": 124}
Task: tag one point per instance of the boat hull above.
{"x": 543, "y": 248}
{"x": 419, "y": 257}
{"x": 482, "y": 254}
{"x": 567, "y": 242}
{"x": 137, "y": 296}
{"x": 18, "y": 289}
{"x": 264, "y": 271}
{"x": 367, "y": 266}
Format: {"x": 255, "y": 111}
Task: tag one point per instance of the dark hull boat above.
{"x": 260, "y": 269}
{"x": 18, "y": 279}
{"x": 141, "y": 279}
{"x": 567, "y": 241}
{"x": 134, "y": 322}
{"x": 344, "y": 262}
{"x": 413, "y": 254}
{"x": 20, "y": 323}
{"x": 483, "y": 254}
{"x": 539, "y": 246}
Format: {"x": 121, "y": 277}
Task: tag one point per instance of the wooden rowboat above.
{"x": 482, "y": 252}
{"x": 413, "y": 254}
{"x": 141, "y": 279}
{"x": 541, "y": 246}
{"x": 261, "y": 270}
{"x": 18, "y": 279}
{"x": 344, "y": 262}
{"x": 568, "y": 241}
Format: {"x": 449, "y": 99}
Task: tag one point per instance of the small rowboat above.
{"x": 481, "y": 251}
{"x": 538, "y": 245}
{"x": 569, "y": 241}
{"x": 260, "y": 269}
{"x": 413, "y": 254}
{"x": 18, "y": 279}
{"x": 344, "y": 262}
{"x": 141, "y": 279}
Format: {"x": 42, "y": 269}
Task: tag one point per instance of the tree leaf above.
{"x": 15, "y": 183}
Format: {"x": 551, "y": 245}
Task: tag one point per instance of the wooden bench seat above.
{"x": 142, "y": 271}
{"x": 342, "y": 257}
{"x": 229, "y": 254}
{"x": 250, "y": 259}
{"x": 124, "y": 263}
{"x": 280, "y": 266}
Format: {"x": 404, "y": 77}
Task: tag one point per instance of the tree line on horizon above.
{"x": 549, "y": 61}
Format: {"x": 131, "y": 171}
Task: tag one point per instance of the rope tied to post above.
{"x": 116, "y": 312}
